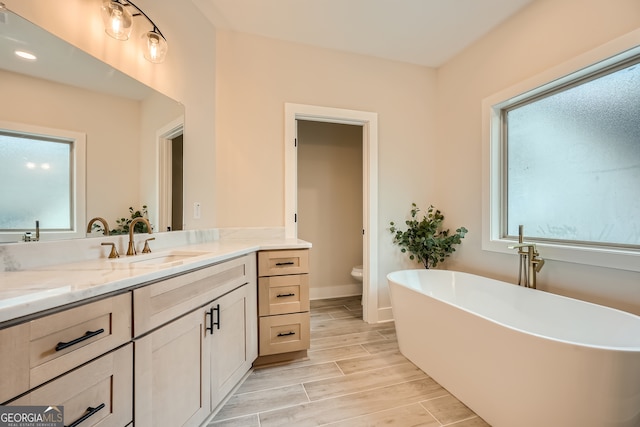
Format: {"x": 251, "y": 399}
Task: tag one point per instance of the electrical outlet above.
{"x": 196, "y": 210}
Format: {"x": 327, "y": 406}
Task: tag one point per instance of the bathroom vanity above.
{"x": 155, "y": 339}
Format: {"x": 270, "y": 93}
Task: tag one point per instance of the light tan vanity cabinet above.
{"x": 37, "y": 351}
{"x": 195, "y": 339}
{"x": 98, "y": 393}
{"x": 170, "y": 374}
{"x": 233, "y": 339}
{"x": 283, "y": 301}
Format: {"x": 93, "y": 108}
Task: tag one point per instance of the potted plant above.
{"x": 425, "y": 239}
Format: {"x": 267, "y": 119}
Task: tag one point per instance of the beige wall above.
{"x": 256, "y": 76}
{"x": 330, "y": 204}
{"x": 544, "y": 35}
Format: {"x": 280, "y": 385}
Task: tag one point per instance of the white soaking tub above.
{"x": 519, "y": 356}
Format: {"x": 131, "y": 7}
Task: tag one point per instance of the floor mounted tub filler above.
{"x": 519, "y": 356}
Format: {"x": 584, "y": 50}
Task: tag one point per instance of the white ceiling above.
{"x": 424, "y": 32}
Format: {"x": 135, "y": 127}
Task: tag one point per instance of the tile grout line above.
{"x": 376, "y": 412}
{"x": 373, "y": 389}
{"x": 459, "y": 421}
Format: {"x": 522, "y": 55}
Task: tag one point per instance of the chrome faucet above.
{"x": 530, "y": 261}
{"x": 132, "y": 249}
{"x": 105, "y": 226}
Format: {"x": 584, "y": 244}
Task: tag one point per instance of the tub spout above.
{"x": 530, "y": 261}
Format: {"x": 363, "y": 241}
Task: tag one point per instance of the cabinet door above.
{"x": 99, "y": 393}
{"x": 172, "y": 373}
{"x": 233, "y": 339}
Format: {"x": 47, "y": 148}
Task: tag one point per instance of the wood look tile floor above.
{"x": 355, "y": 376}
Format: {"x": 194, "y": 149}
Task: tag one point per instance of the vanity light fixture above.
{"x": 118, "y": 22}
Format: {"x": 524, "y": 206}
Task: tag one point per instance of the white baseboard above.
{"x": 385, "y": 314}
{"x": 339, "y": 291}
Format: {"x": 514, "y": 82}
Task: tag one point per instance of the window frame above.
{"x": 494, "y": 165}
{"x": 78, "y": 143}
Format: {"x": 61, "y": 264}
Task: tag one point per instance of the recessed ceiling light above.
{"x": 26, "y": 55}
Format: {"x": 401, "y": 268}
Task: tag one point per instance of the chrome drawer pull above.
{"x": 86, "y": 336}
{"x": 286, "y": 334}
{"x": 285, "y": 295}
{"x": 90, "y": 411}
{"x": 285, "y": 263}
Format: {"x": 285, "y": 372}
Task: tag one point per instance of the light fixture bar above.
{"x": 141, "y": 12}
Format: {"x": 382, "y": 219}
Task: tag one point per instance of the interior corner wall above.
{"x": 256, "y": 76}
{"x": 544, "y": 35}
{"x": 330, "y": 205}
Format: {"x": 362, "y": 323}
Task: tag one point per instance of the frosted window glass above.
{"x": 35, "y": 183}
{"x": 573, "y": 169}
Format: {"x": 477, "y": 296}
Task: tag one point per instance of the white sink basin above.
{"x": 160, "y": 259}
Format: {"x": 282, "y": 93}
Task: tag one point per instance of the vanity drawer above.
{"x": 160, "y": 303}
{"x": 62, "y": 341}
{"x": 284, "y": 333}
{"x": 100, "y": 390}
{"x": 49, "y": 346}
{"x": 281, "y": 262}
{"x": 283, "y": 294}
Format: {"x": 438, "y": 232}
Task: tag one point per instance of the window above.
{"x": 573, "y": 161}
{"x": 563, "y": 160}
{"x": 41, "y": 179}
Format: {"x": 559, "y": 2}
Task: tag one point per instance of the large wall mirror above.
{"x": 132, "y": 138}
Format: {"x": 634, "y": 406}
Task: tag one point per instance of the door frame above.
{"x": 164, "y": 136}
{"x": 369, "y": 123}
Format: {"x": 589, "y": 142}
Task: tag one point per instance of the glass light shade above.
{"x": 117, "y": 20}
{"x": 155, "y": 48}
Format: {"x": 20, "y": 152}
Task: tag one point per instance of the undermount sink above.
{"x": 159, "y": 259}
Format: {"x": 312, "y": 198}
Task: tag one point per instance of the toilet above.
{"x": 356, "y": 273}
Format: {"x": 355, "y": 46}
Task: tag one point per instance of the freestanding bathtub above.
{"x": 520, "y": 357}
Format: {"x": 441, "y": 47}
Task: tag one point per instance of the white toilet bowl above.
{"x": 356, "y": 273}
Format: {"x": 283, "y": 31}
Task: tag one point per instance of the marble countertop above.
{"x": 26, "y": 292}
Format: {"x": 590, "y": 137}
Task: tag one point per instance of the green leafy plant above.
{"x": 424, "y": 239}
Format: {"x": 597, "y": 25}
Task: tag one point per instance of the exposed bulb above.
{"x": 155, "y": 47}
{"x": 117, "y": 20}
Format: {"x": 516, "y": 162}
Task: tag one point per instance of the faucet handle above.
{"x": 146, "y": 248}
{"x": 114, "y": 253}
{"x": 523, "y": 245}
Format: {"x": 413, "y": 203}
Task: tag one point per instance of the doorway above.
{"x": 369, "y": 123}
{"x": 330, "y": 205}
{"x": 177, "y": 192}
{"x": 170, "y": 176}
